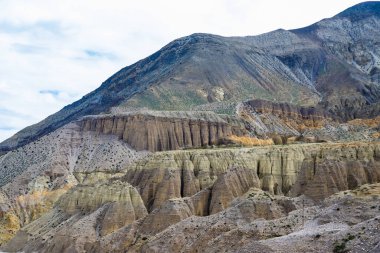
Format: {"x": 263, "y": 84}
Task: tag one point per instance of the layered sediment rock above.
{"x": 290, "y": 170}
{"x": 124, "y": 204}
{"x": 270, "y": 118}
{"x": 321, "y": 178}
{"x": 171, "y": 212}
{"x": 311, "y": 115}
{"x": 158, "y": 131}
{"x": 34, "y": 176}
{"x": 81, "y": 216}
{"x": 306, "y": 228}
{"x": 230, "y": 185}
{"x": 224, "y": 186}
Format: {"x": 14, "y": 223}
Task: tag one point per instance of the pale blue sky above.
{"x": 53, "y": 52}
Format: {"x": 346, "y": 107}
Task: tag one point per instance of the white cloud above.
{"x": 70, "y": 47}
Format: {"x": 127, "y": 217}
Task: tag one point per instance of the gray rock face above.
{"x": 335, "y": 61}
{"x": 339, "y": 57}
{"x": 61, "y": 154}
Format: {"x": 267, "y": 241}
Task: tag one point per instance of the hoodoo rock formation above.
{"x": 278, "y": 170}
{"x": 178, "y": 186}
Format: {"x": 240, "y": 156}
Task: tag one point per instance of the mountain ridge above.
{"x": 361, "y": 10}
{"x": 203, "y": 69}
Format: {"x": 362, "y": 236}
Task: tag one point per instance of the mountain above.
{"x": 334, "y": 63}
{"x": 361, "y": 11}
{"x": 212, "y": 144}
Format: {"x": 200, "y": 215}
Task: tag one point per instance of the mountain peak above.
{"x": 211, "y": 72}
{"x": 361, "y": 11}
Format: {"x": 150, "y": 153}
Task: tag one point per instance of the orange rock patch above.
{"x": 250, "y": 141}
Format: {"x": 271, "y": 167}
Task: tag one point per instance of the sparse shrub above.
{"x": 340, "y": 248}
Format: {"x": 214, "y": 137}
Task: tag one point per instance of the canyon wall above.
{"x": 290, "y": 170}
{"x": 164, "y": 188}
{"x": 158, "y": 131}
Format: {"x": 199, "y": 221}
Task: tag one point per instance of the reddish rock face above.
{"x": 298, "y": 115}
{"x": 158, "y": 133}
{"x": 281, "y": 120}
{"x": 288, "y": 110}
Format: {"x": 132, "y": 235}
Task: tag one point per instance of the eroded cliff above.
{"x": 151, "y": 195}
{"x": 276, "y": 169}
{"x": 158, "y": 131}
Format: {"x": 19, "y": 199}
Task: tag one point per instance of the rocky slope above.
{"x": 164, "y": 189}
{"x": 294, "y": 123}
{"x": 33, "y": 177}
{"x": 334, "y": 62}
{"x": 285, "y": 225}
{"x": 267, "y": 118}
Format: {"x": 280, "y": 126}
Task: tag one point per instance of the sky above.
{"x": 53, "y": 52}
